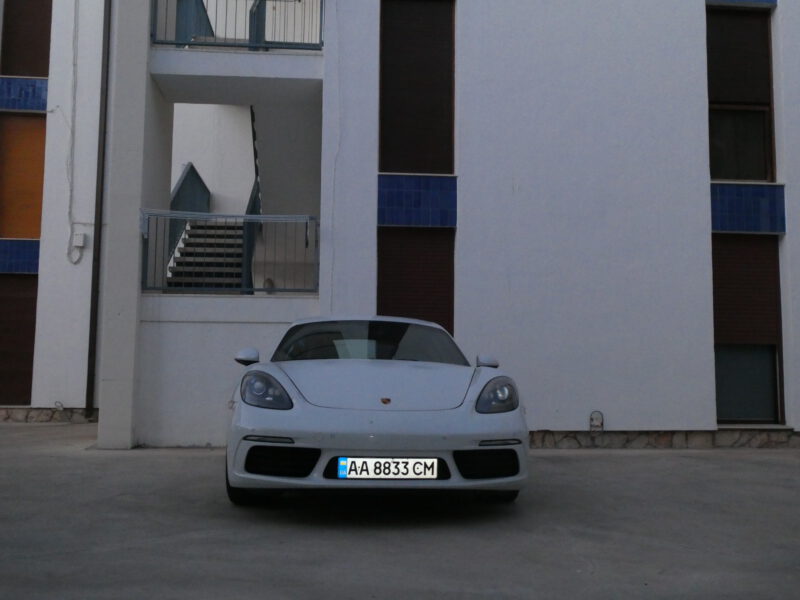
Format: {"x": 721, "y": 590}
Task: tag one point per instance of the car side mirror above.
{"x": 487, "y": 360}
{"x": 247, "y": 356}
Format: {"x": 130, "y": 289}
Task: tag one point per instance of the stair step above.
{"x": 215, "y": 275}
{"x": 212, "y": 271}
{"x": 202, "y": 282}
{"x": 213, "y": 237}
{"x": 196, "y": 289}
{"x": 210, "y": 261}
{"x": 225, "y": 242}
{"x": 203, "y": 253}
{"x": 215, "y": 233}
{"x": 215, "y": 230}
{"x": 215, "y": 225}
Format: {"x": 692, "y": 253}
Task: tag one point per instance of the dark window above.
{"x": 26, "y": 38}
{"x": 740, "y": 143}
{"x": 747, "y": 383}
{"x": 368, "y": 340}
{"x": 747, "y": 327}
{"x": 740, "y": 95}
{"x": 417, "y": 86}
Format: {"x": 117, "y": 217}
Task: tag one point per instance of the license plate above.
{"x": 387, "y": 468}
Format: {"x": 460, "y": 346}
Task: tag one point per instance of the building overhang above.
{"x": 234, "y": 77}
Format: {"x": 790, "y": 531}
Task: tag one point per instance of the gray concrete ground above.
{"x": 76, "y": 522}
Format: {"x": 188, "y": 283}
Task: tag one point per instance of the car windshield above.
{"x": 380, "y": 340}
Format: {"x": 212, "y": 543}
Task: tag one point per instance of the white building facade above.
{"x": 566, "y": 186}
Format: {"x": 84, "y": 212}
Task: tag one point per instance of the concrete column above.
{"x": 2, "y": 12}
{"x": 68, "y": 204}
{"x": 786, "y": 76}
{"x": 138, "y": 157}
{"x": 349, "y": 205}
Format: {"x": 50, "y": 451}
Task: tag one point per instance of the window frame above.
{"x": 770, "y": 142}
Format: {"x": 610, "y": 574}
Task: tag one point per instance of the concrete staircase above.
{"x": 208, "y": 255}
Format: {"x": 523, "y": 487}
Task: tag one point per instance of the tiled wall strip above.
{"x": 19, "y": 256}
{"x": 417, "y": 200}
{"x": 747, "y": 208}
{"x": 20, "y": 93}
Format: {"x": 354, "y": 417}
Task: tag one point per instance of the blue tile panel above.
{"x": 20, "y": 93}
{"x": 417, "y": 200}
{"x": 747, "y": 208}
{"x": 19, "y": 256}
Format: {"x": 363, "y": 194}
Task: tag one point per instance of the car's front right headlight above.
{"x": 262, "y": 390}
{"x": 498, "y": 396}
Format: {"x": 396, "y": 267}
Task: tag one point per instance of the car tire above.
{"x": 239, "y": 496}
{"x": 504, "y": 496}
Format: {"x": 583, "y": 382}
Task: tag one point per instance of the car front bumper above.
{"x": 460, "y": 438}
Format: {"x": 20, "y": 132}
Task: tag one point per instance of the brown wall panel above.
{"x": 26, "y": 38}
{"x": 416, "y": 274}
{"x": 21, "y": 175}
{"x": 417, "y": 86}
{"x": 746, "y": 289}
{"x": 17, "y": 329}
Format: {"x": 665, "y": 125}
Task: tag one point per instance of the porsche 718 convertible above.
{"x": 374, "y": 403}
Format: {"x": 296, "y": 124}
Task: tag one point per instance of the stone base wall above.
{"x": 26, "y": 414}
{"x": 693, "y": 440}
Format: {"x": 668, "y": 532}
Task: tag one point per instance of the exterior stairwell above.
{"x": 209, "y": 254}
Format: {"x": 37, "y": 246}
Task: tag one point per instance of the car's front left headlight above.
{"x": 262, "y": 390}
{"x": 497, "y": 396}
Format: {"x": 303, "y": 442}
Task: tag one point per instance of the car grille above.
{"x": 281, "y": 462}
{"x": 332, "y": 470}
{"x": 486, "y": 464}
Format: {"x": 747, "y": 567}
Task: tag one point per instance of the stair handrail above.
{"x": 250, "y": 232}
{"x": 156, "y": 212}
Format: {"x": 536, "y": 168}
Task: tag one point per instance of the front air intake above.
{"x": 486, "y": 464}
{"x": 282, "y": 461}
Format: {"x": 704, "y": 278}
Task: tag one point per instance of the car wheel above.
{"x": 239, "y": 496}
{"x": 504, "y": 496}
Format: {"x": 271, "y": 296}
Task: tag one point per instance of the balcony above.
{"x": 236, "y": 51}
{"x": 247, "y": 24}
{"x": 188, "y": 252}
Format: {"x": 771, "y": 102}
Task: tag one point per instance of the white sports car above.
{"x": 373, "y": 403}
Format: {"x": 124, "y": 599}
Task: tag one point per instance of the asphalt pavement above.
{"x": 82, "y": 523}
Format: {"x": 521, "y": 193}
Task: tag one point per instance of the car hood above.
{"x": 366, "y": 384}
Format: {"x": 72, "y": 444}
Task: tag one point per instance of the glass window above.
{"x": 747, "y": 383}
{"x": 740, "y": 94}
{"x": 740, "y": 143}
{"x": 379, "y": 340}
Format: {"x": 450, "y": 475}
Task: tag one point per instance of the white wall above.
{"x": 349, "y": 214}
{"x": 289, "y": 131}
{"x": 583, "y": 245}
{"x": 786, "y": 68}
{"x": 62, "y": 320}
{"x": 185, "y": 360}
{"x": 217, "y": 139}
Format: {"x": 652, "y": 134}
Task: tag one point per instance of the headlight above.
{"x": 260, "y": 389}
{"x": 497, "y": 396}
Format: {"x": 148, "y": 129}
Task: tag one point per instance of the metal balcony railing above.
{"x": 218, "y": 253}
{"x": 252, "y": 24}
